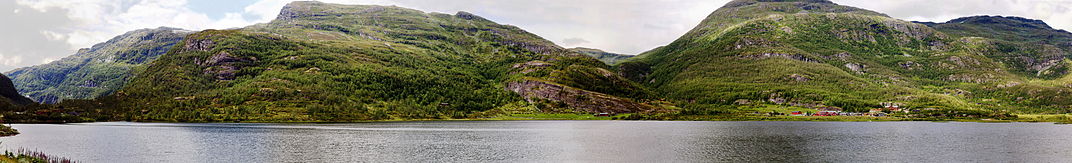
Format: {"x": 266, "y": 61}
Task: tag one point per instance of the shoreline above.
{"x": 692, "y": 119}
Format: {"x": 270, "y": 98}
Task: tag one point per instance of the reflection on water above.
{"x": 550, "y": 141}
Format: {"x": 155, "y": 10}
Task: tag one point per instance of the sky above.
{"x": 40, "y": 31}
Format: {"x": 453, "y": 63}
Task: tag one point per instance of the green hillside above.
{"x": 96, "y": 71}
{"x": 320, "y": 62}
{"x": 606, "y": 57}
{"x": 327, "y": 62}
{"x": 1031, "y": 47}
{"x": 817, "y": 54}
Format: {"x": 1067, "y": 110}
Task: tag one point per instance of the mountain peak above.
{"x": 1008, "y": 20}
{"x": 306, "y": 9}
{"x": 468, "y": 16}
{"x": 587, "y": 49}
{"x": 739, "y": 11}
{"x": 294, "y": 9}
{"x": 738, "y": 3}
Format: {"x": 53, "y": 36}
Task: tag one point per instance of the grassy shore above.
{"x": 28, "y": 156}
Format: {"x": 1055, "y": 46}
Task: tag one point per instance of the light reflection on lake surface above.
{"x": 550, "y": 141}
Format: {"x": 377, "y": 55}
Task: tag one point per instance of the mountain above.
{"x": 1005, "y": 28}
{"x": 606, "y": 57}
{"x": 9, "y": 97}
{"x": 329, "y": 62}
{"x": 754, "y": 55}
{"x": 1035, "y": 48}
{"x": 96, "y": 71}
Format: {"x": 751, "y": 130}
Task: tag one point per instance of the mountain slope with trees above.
{"x": 328, "y": 62}
{"x": 96, "y": 71}
{"x": 750, "y": 55}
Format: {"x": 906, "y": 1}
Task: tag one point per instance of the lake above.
{"x": 550, "y": 141}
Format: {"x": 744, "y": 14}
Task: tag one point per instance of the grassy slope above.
{"x": 1031, "y": 49}
{"x": 324, "y": 62}
{"x": 804, "y": 53}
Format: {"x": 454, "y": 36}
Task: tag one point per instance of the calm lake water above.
{"x": 551, "y": 141}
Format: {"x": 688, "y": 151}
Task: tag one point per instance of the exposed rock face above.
{"x": 469, "y": 16}
{"x": 858, "y": 68}
{"x": 843, "y": 56}
{"x": 294, "y": 10}
{"x": 972, "y": 78}
{"x": 223, "y": 65}
{"x": 789, "y": 56}
{"x": 592, "y": 102}
{"x": 738, "y": 3}
{"x": 531, "y": 66}
{"x": 198, "y": 45}
{"x": 799, "y": 78}
{"x": 909, "y": 65}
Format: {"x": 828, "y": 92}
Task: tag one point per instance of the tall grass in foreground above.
{"x": 31, "y": 156}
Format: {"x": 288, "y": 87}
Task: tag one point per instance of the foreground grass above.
{"x": 28, "y": 156}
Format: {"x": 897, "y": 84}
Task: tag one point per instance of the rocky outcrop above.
{"x": 469, "y": 16}
{"x": 789, "y": 56}
{"x": 909, "y": 65}
{"x": 531, "y": 66}
{"x": 857, "y": 68}
{"x": 972, "y": 78}
{"x": 799, "y": 78}
{"x": 223, "y": 65}
{"x": 198, "y": 45}
{"x": 581, "y": 100}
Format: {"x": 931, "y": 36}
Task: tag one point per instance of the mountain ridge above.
{"x": 329, "y": 62}
{"x": 753, "y": 55}
{"x": 95, "y": 71}
{"x": 607, "y": 57}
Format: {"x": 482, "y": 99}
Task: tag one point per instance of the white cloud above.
{"x": 574, "y": 41}
{"x": 47, "y": 60}
{"x": 6, "y": 60}
{"x": 99, "y": 20}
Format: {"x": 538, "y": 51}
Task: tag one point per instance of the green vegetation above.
{"x": 28, "y": 156}
{"x": 96, "y": 71}
{"x": 750, "y": 60}
{"x": 606, "y": 57}
{"x": 322, "y": 62}
{"x": 815, "y": 54}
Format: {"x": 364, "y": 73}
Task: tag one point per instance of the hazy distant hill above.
{"x": 96, "y": 71}
{"x": 606, "y": 57}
